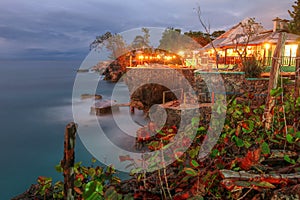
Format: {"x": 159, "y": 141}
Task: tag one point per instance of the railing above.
{"x": 266, "y": 61}
{"x": 285, "y": 60}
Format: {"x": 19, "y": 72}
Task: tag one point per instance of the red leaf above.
{"x": 251, "y": 158}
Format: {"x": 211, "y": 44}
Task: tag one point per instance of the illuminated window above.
{"x": 290, "y": 50}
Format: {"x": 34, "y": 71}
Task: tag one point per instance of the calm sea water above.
{"x": 35, "y": 106}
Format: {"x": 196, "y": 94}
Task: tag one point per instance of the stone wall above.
{"x": 231, "y": 83}
{"x": 146, "y": 85}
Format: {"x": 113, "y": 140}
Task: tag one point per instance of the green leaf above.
{"x": 265, "y": 149}
{"x": 250, "y": 125}
{"x": 298, "y": 135}
{"x": 263, "y": 184}
{"x": 247, "y": 109}
{"x": 190, "y": 171}
{"x": 289, "y": 160}
{"x": 93, "y": 190}
{"x": 238, "y": 141}
{"x": 78, "y": 183}
{"x": 242, "y": 183}
{"x": 201, "y": 129}
{"x": 194, "y": 152}
{"x": 92, "y": 172}
{"x": 58, "y": 168}
{"x": 276, "y": 92}
{"x": 194, "y": 163}
{"x": 247, "y": 144}
{"x": 289, "y": 138}
{"x": 214, "y": 153}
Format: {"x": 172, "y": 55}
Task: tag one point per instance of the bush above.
{"x": 252, "y": 68}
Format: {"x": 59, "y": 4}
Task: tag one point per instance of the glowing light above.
{"x": 294, "y": 47}
{"x": 141, "y": 57}
{"x": 181, "y": 53}
{"x": 267, "y": 46}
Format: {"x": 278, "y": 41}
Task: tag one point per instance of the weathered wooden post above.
{"x": 297, "y": 86}
{"x": 274, "y": 75}
{"x": 68, "y": 161}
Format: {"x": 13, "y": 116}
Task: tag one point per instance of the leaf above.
{"x": 77, "y": 190}
{"x": 289, "y": 138}
{"x": 298, "y": 135}
{"x": 247, "y": 109}
{"x": 263, "y": 184}
{"x": 201, "y": 129}
{"x": 242, "y": 184}
{"x": 58, "y": 168}
{"x": 93, "y": 190}
{"x": 194, "y": 152}
{"x": 289, "y": 160}
{"x": 111, "y": 194}
{"x": 265, "y": 149}
{"x": 248, "y": 126}
{"x": 92, "y": 172}
{"x": 238, "y": 141}
{"x": 276, "y": 92}
{"x": 190, "y": 171}
{"x": 194, "y": 163}
{"x": 214, "y": 153}
{"x": 247, "y": 144}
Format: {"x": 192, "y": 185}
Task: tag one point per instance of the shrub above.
{"x": 252, "y": 68}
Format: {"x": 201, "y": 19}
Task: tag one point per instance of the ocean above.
{"x": 35, "y": 106}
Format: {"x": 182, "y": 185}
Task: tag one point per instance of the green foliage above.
{"x": 172, "y": 40}
{"x": 252, "y": 68}
{"x": 295, "y": 15}
{"x": 90, "y": 183}
{"x": 243, "y": 139}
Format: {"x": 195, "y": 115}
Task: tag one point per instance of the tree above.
{"x": 207, "y": 31}
{"x": 198, "y": 36}
{"x": 141, "y": 42}
{"x": 295, "y": 15}
{"x": 249, "y": 30}
{"x": 173, "y": 41}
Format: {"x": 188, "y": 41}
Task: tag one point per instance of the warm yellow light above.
{"x": 267, "y": 46}
{"x": 158, "y": 57}
{"x": 174, "y": 56}
{"x": 141, "y": 57}
{"x": 294, "y": 47}
{"x": 181, "y": 53}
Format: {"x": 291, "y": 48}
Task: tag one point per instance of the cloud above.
{"x": 66, "y": 28}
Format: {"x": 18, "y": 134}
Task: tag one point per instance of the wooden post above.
{"x": 68, "y": 161}
{"x": 274, "y": 75}
{"x": 297, "y": 86}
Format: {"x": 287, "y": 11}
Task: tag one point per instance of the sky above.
{"x": 63, "y": 29}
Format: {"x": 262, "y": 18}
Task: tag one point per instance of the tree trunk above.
{"x": 68, "y": 162}
{"x": 274, "y": 75}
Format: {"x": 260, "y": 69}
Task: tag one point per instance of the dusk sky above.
{"x": 63, "y": 29}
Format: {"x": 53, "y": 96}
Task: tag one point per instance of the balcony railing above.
{"x": 266, "y": 61}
